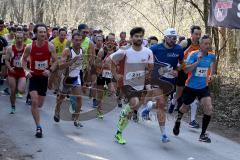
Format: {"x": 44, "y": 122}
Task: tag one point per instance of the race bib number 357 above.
{"x": 201, "y": 72}
{"x": 41, "y": 65}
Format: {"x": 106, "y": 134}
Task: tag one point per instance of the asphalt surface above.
{"x": 95, "y": 141}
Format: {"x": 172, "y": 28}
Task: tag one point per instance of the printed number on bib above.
{"x": 41, "y": 65}
{"x": 17, "y": 63}
{"x": 201, "y": 72}
{"x": 134, "y": 75}
{"x": 107, "y": 74}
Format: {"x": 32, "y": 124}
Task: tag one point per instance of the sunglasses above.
{"x": 172, "y": 37}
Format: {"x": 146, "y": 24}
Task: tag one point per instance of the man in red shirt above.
{"x": 40, "y": 52}
{"x": 16, "y": 74}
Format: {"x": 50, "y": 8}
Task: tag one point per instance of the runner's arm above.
{"x": 113, "y": 60}
{"x": 91, "y": 53}
{"x": 8, "y": 57}
{"x": 149, "y": 69}
{"x": 184, "y": 43}
{"x": 65, "y": 63}
{"x": 192, "y": 63}
{"x": 24, "y": 59}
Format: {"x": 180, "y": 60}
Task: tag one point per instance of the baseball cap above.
{"x": 170, "y": 32}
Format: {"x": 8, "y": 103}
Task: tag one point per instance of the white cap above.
{"x": 170, "y": 32}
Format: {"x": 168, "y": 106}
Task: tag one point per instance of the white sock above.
{"x": 194, "y": 107}
{"x": 149, "y": 105}
{"x": 162, "y": 129}
{"x": 173, "y": 101}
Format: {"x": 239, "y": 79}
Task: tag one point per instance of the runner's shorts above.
{"x": 69, "y": 83}
{"x": 181, "y": 79}
{"x": 129, "y": 92}
{"x": 190, "y": 94}
{"x": 39, "y": 84}
{"x": 101, "y": 81}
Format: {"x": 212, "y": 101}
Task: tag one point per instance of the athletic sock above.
{"x": 150, "y": 105}
{"x": 205, "y": 122}
{"x": 163, "y": 131}
{"x": 123, "y": 119}
{"x": 39, "y": 127}
{"x": 179, "y": 103}
{"x": 179, "y": 116}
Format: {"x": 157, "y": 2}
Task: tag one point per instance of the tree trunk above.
{"x": 205, "y": 15}
{"x": 39, "y": 11}
{"x": 232, "y": 51}
{"x": 4, "y": 9}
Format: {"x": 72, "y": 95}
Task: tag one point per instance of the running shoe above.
{"x": 95, "y": 104}
{"x": 56, "y": 117}
{"x": 39, "y": 133}
{"x": 204, "y": 138}
{"x": 13, "y": 110}
{"x": 120, "y": 105}
{"x": 145, "y": 114}
{"x": 6, "y": 91}
{"x": 19, "y": 95}
{"x": 171, "y": 108}
{"x": 194, "y": 124}
{"x": 119, "y": 138}
{"x": 176, "y": 128}
{"x": 99, "y": 115}
{"x": 77, "y": 124}
{"x": 135, "y": 117}
{"x": 165, "y": 139}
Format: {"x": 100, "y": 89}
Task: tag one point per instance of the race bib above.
{"x": 41, "y": 65}
{"x": 134, "y": 75}
{"x": 201, "y": 72}
{"x": 17, "y": 63}
{"x": 107, "y": 74}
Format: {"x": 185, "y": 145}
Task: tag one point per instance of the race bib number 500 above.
{"x": 201, "y": 72}
{"x": 41, "y": 65}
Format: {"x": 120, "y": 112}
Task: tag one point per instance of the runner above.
{"x": 10, "y": 37}
{"x": 95, "y": 70}
{"x": 54, "y": 34}
{"x": 199, "y": 64}
{"x": 40, "y": 53}
{"x": 60, "y": 43}
{"x": 26, "y": 35}
{"x": 72, "y": 59}
{"x": 170, "y": 54}
{"x": 123, "y": 41}
{"x": 88, "y": 54}
{"x": 3, "y": 46}
{"x": 16, "y": 74}
{"x": 104, "y": 75}
{"x": 189, "y": 45}
{"x": 3, "y": 29}
{"x": 138, "y": 61}
{"x": 152, "y": 41}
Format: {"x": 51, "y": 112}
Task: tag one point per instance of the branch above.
{"x": 143, "y": 16}
{"x": 196, "y": 7}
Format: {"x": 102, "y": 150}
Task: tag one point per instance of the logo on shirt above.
{"x": 172, "y": 55}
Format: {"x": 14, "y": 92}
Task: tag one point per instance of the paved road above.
{"x": 95, "y": 141}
